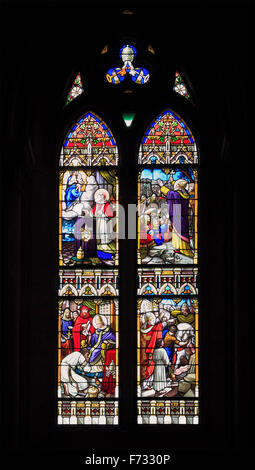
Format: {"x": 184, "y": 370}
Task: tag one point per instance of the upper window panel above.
{"x": 76, "y": 90}
{"x": 180, "y": 87}
{"x": 139, "y": 75}
{"x": 168, "y": 140}
{"x": 89, "y": 143}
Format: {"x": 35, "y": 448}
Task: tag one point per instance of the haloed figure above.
{"x": 178, "y": 205}
{"x": 102, "y": 340}
{"x": 103, "y": 213}
{"x": 150, "y": 333}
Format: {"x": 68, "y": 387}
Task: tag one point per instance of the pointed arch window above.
{"x": 167, "y": 259}
{"x": 88, "y": 304}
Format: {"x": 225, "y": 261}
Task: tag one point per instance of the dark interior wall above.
{"x": 43, "y": 45}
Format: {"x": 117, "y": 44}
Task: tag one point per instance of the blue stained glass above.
{"x": 117, "y": 75}
{"x": 70, "y": 135}
{"x": 178, "y": 174}
{"x": 66, "y": 143}
{"x": 148, "y": 290}
{"x": 187, "y": 290}
{"x": 103, "y": 255}
{"x": 174, "y": 292}
{"x": 68, "y": 238}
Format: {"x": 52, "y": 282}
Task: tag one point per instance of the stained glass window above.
{"x": 167, "y": 258}
{"x": 88, "y": 305}
{"x": 89, "y": 143}
{"x": 76, "y": 89}
{"x": 180, "y": 87}
{"x": 139, "y": 75}
{"x": 168, "y": 141}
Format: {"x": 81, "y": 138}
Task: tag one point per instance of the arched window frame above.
{"x": 74, "y": 407}
{"x": 169, "y": 408}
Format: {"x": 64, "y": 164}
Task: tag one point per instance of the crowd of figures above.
{"x": 167, "y": 216}
{"x": 88, "y": 354}
{"x": 167, "y": 349}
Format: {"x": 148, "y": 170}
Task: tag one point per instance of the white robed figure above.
{"x": 74, "y": 384}
{"x": 103, "y": 213}
{"x": 161, "y": 361}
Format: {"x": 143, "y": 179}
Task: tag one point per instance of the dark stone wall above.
{"x": 43, "y": 45}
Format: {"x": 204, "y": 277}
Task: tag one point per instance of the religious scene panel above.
{"x": 88, "y": 217}
{"x": 167, "y": 353}
{"x": 89, "y": 143}
{"x": 167, "y": 281}
{"x": 168, "y": 140}
{"x": 88, "y": 342}
{"x": 167, "y": 215}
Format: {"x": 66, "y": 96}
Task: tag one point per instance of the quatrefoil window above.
{"x": 139, "y": 75}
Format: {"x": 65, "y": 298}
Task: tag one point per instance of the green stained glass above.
{"x": 128, "y": 118}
